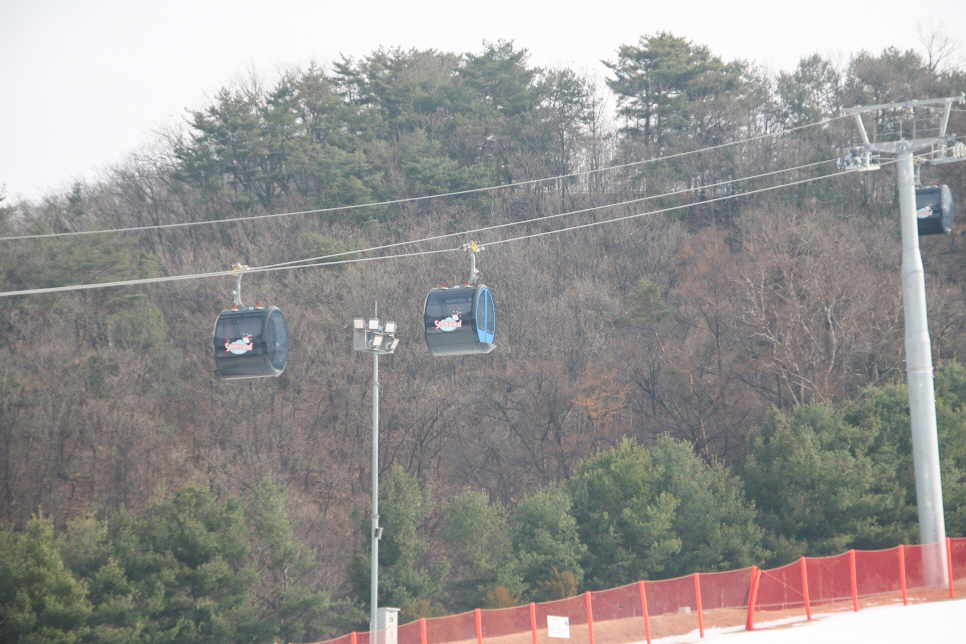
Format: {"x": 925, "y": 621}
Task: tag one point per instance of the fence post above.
{"x": 479, "y": 626}
{"x": 902, "y": 574}
{"x": 422, "y": 631}
{"x": 353, "y": 638}
{"x": 855, "y": 592}
{"x": 647, "y": 621}
{"x": 808, "y": 607}
{"x": 533, "y": 621}
{"x": 697, "y": 596}
{"x": 590, "y": 616}
{"x": 949, "y": 566}
{"x": 752, "y": 595}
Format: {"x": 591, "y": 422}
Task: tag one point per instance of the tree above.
{"x": 828, "y": 478}
{"x": 624, "y": 517}
{"x": 476, "y": 534}
{"x": 6, "y": 211}
{"x": 182, "y": 573}
{"x": 810, "y": 93}
{"x": 815, "y": 482}
{"x": 255, "y": 146}
{"x": 288, "y": 608}
{"x": 500, "y": 78}
{"x": 94, "y": 556}
{"x": 818, "y": 308}
{"x": 683, "y": 341}
{"x": 566, "y": 116}
{"x": 476, "y": 530}
{"x": 942, "y": 50}
{"x": 502, "y": 85}
{"x": 662, "y": 511}
{"x": 882, "y": 414}
{"x": 660, "y": 83}
{"x": 179, "y": 573}
{"x": 40, "y": 600}
{"x": 232, "y": 147}
{"x": 951, "y": 419}
{"x": 893, "y": 76}
{"x": 407, "y": 574}
{"x": 715, "y": 523}
{"x": 544, "y": 539}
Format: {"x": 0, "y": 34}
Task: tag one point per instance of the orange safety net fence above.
{"x": 749, "y": 598}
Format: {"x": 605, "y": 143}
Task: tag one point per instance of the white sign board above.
{"x": 558, "y": 627}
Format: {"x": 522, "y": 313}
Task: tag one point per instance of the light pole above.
{"x": 368, "y": 335}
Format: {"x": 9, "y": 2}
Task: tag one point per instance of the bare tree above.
{"x": 942, "y": 50}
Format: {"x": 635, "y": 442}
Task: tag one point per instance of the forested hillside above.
{"x": 671, "y": 392}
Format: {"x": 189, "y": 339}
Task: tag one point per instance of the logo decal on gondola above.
{"x": 449, "y": 324}
{"x": 239, "y": 347}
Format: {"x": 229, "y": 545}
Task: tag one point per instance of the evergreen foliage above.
{"x": 407, "y": 575}
{"x": 545, "y": 542}
{"x": 813, "y": 479}
{"x": 40, "y": 601}
{"x": 476, "y": 533}
{"x": 624, "y": 517}
{"x": 661, "y": 512}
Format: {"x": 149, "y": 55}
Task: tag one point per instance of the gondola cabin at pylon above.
{"x": 460, "y": 320}
{"x": 934, "y": 210}
{"x": 249, "y": 342}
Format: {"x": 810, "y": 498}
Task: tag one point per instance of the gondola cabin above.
{"x": 460, "y": 320}
{"x": 250, "y": 343}
{"x": 934, "y": 210}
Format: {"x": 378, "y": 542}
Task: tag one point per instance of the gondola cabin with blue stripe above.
{"x": 250, "y": 343}
{"x": 934, "y": 210}
{"x": 460, "y": 320}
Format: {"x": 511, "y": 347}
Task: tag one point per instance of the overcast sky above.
{"x": 83, "y": 83}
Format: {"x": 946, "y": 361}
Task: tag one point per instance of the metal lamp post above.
{"x": 368, "y": 335}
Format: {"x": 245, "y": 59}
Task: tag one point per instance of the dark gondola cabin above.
{"x": 250, "y": 343}
{"x": 460, "y": 320}
{"x": 934, "y": 210}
